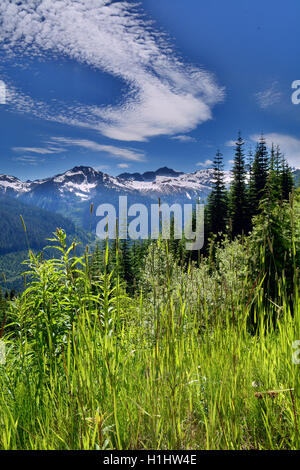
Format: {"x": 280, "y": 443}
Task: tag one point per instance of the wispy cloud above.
{"x": 269, "y": 97}
{"x": 184, "y": 138}
{"x": 123, "y": 165}
{"x": 40, "y": 151}
{"x": 205, "y": 164}
{"x": 166, "y": 96}
{"x": 288, "y": 144}
{"x": 29, "y": 160}
{"x": 127, "y": 154}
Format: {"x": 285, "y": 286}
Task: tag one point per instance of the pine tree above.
{"x": 273, "y": 183}
{"x": 286, "y": 180}
{"x": 250, "y": 188}
{"x": 259, "y": 176}
{"x": 138, "y": 251}
{"x": 217, "y": 201}
{"x": 277, "y": 162}
{"x": 238, "y": 192}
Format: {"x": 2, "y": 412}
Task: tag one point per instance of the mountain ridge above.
{"x": 72, "y": 192}
{"x": 80, "y": 175}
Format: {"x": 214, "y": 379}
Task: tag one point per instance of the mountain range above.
{"x": 65, "y": 200}
{"x": 72, "y": 192}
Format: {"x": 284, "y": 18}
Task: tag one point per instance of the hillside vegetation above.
{"x": 146, "y": 346}
{"x": 202, "y": 358}
{"x": 14, "y": 242}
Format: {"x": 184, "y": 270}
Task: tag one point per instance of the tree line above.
{"x": 261, "y": 182}
{"x": 262, "y": 178}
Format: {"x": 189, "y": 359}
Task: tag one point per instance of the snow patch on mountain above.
{"x": 11, "y": 183}
{"x": 196, "y": 182}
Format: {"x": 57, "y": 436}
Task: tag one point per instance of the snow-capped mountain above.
{"x": 168, "y": 182}
{"x": 80, "y": 183}
{"x": 83, "y": 183}
{"x": 72, "y": 192}
{"x": 12, "y": 185}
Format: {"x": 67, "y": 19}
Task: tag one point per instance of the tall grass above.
{"x": 87, "y": 367}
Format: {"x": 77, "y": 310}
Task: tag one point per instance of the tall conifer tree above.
{"x": 238, "y": 193}
{"x": 287, "y": 180}
{"x": 218, "y": 200}
{"x": 259, "y": 175}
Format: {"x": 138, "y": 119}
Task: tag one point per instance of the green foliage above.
{"x": 3, "y": 309}
{"x": 275, "y": 247}
{"x": 87, "y": 367}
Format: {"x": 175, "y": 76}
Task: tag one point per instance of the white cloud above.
{"x": 29, "y": 160}
{"x": 40, "y": 151}
{"x": 123, "y": 165}
{"x": 289, "y": 145}
{"x": 205, "y": 164}
{"x": 166, "y": 97}
{"x": 184, "y": 138}
{"x": 269, "y": 97}
{"x": 127, "y": 154}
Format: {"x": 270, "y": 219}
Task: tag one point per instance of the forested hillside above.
{"x": 39, "y": 224}
{"x": 17, "y": 237}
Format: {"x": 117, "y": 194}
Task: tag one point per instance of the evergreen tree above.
{"x": 277, "y": 162}
{"x": 238, "y": 193}
{"x": 273, "y": 183}
{"x": 217, "y": 201}
{"x": 138, "y": 251}
{"x": 259, "y": 175}
{"x": 287, "y": 180}
{"x": 250, "y": 188}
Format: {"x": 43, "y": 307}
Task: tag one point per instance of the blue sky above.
{"x": 126, "y": 87}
